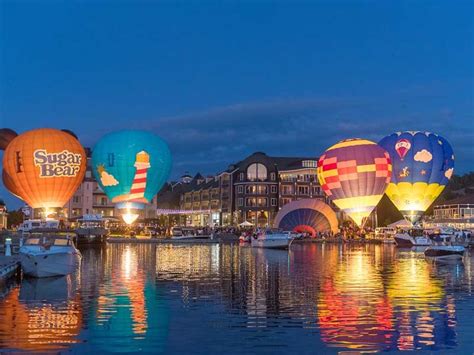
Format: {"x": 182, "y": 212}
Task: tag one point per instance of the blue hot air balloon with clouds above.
{"x": 131, "y": 166}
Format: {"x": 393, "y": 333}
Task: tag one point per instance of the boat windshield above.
{"x": 32, "y": 241}
{"x": 416, "y": 232}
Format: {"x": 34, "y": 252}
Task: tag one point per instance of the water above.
{"x": 230, "y": 299}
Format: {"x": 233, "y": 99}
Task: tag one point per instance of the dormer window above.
{"x": 309, "y": 164}
{"x": 257, "y": 172}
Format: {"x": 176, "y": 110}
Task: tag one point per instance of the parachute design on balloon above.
{"x": 131, "y": 166}
{"x": 43, "y": 167}
{"x": 420, "y": 173}
{"x": 354, "y": 174}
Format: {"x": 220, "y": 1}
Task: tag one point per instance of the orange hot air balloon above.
{"x": 44, "y": 167}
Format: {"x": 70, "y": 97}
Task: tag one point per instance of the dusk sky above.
{"x": 220, "y": 80}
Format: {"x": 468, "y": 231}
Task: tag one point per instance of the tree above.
{"x": 14, "y": 218}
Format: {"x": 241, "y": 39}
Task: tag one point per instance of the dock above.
{"x": 9, "y": 266}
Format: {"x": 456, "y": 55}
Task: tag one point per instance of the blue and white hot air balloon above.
{"x": 131, "y": 167}
{"x": 422, "y": 164}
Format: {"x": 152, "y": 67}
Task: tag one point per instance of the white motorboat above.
{"x": 412, "y": 238}
{"x": 444, "y": 252}
{"x": 273, "y": 239}
{"x": 45, "y": 257}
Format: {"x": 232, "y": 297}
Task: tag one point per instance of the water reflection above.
{"x": 41, "y": 314}
{"x": 216, "y": 298}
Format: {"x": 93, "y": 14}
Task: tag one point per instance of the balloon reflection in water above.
{"x": 374, "y": 301}
{"x": 46, "y": 312}
{"x": 418, "y": 299}
{"x": 349, "y": 317}
{"x": 128, "y": 287}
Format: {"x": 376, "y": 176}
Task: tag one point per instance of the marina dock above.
{"x": 9, "y": 266}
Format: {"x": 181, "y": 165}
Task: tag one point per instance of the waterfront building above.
{"x": 263, "y": 184}
{"x": 253, "y": 189}
{"x": 458, "y": 213}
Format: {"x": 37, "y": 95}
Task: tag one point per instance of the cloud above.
{"x": 108, "y": 179}
{"x": 424, "y": 156}
{"x": 448, "y": 173}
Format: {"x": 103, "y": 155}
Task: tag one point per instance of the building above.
{"x": 3, "y": 215}
{"x": 458, "y": 213}
{"x": 254, "y": 189}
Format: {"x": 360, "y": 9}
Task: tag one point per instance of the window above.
{"x": 274, "y": 201}
{"x": 240, "y": 202}
{"x": 242, "y": 176}
{"x": 240, "y": 189}
{"x": 257, "y": 172}
{"x": 274, "y": 189}
{"x": 284, "y": 201}
{"x": 256, "y": 202}
{"x": 76, "y": 199}
{"x": 303, "y": 190}
{"x": 309, "y": 164}
{"x": 287, "y": 189}
{"x": 272, "y": 176}
{"x": 256, "y": 189}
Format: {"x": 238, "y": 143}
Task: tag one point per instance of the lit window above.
{"x": 256, "y": 172}
{"x": 309, "y": 163}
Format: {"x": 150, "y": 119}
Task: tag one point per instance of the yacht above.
{"x": 49, "y": 256}
{"x": 272, "y": 238}
{"x": 444, "y": 252}
{"x": 414, "y": 237}
{"x": 188, "y": 233}
{"x": 91, "y": 230}
{"x": 39, "y": 225}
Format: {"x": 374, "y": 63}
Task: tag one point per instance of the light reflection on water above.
{"x": 226, "y": 298}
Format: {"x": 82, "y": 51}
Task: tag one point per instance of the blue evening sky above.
{"x": 220, "y": 80}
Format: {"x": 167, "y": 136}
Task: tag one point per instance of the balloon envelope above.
{"x": 131, "y": 166}
{"x": 421, "y": 173}
{"x": 44, "y": 167}
{"x": 354, "y": 174}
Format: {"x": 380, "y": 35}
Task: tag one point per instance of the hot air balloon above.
{"x": 354, "y": 174}
{"x": 43, "y": 167}
{"x": 131, "y": 167}
{"x": 419, "y": 175}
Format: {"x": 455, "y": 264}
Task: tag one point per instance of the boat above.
{"x": 188, "y": 233}
{"x": 91, "y": 230}
{"x": 444, "y": 252}
{"x": 412, "y": 237}
{"x": 39, "y": 226}
{"x": 272, "y": 238}
{"x": 49, "y": 256}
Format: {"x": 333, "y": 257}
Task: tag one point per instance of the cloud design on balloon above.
{"x": 108, "y": 179}
{"x": 424, "y": 156}
{"x": 448, "y": 173}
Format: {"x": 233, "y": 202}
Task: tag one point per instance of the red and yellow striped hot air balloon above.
{"x": 354, "y": 174}
{"x": 43, "y": 167}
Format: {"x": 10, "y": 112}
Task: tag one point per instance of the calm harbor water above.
{"x": 230, "y": 299}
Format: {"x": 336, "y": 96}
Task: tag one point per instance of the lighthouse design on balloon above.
{"x": 131, "y": 167}
{"x": 137, "y": 191}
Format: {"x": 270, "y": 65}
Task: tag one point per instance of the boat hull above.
{"x": 444, "y": 253}
{"x": 271, "y": 243}
{"x": 47, "y": 265}
{"x": 408, "y": 242}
